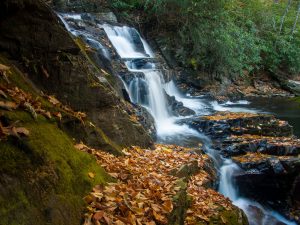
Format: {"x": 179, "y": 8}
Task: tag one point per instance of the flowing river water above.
{"x": 148, "y": 88}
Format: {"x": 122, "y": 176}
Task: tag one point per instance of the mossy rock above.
{"x": 230, "y": 217}
{"x": 43, "y": 177}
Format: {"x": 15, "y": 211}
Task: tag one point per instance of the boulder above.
{"x": 293, "y": 86}
{"x": 266, "y": 177}
{"x": 177, "y": 108}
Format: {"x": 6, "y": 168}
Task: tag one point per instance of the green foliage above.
{"x": 226, "y": 36}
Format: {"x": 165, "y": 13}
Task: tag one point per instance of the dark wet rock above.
{"x": 78, "y": 5}
{"x": 146, "y": 119}
{"x": 280, "y": 146}
{"x": 266, "y": 177}
{"x": 177, "y": 108}
{"x": 258, "y": 216}
{"x": 296, "y": 190}
{"x": 222, "y": 125}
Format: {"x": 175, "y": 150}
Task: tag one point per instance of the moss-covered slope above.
{"x": 43, "y": 178}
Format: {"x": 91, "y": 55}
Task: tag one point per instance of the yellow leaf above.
{"x": 91, "y": 175}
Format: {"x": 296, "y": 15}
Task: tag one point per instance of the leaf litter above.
{"x": 146, "y": 186}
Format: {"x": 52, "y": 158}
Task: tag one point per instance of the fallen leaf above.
{"x": 91, "y": 175}
{"x": 98, "y": 215}
{"x": 53, "y": 100}
{"x": 8, "y": 105}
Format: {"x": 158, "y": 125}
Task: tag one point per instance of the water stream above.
{"x": 148, "y": 88}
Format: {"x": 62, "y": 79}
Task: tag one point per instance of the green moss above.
{"x": 232, "y": 217}
{"x": 297, "y": 99}
{"x": 43, "y": 172}
{"x": 15, "y": 76}
{"x": 94, "y": 82}
{"x": 181, "y": 202}
{"x": 114, "y": 148}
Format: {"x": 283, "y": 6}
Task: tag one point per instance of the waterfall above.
{"x": 227, "y": 187}
{"x": 148, "y": 88}
{"x": 125, "y": 40}
{"x": 157, "y": 99}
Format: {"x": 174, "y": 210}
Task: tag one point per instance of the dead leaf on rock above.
{"x": 8, "y": 105}
{"x": 53, "y": 100}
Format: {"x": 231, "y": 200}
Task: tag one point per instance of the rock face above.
{"x": 42, "y": 176}
{"x": 31, "y": 33}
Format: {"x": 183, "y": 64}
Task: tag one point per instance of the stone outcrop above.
{"x": 31, "y": 33}
{"x": 224, "y": 124}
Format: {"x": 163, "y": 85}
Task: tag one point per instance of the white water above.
{"x": 91, "y": 41}
{"x": 227, "y": 187}
{"x": 195, "y": 104}
{"x": 123, "y": 42}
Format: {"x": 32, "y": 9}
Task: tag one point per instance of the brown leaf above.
{"x": 8, "y": 105}
{"x": 47, "y": 114}
{"x": 168, "y": 206}
{"x": 98, "y": 215}
{"x": 3, "y": 68}
{"x": 22, "y": 130}
{"x": 80, "y": 146}
{"x": 107, "y": 219}
{"x": 91, "y": 175}
{"x": 58, "y": 115}
{"x": 53, "y": 100}
{"x": 159, "y": 217}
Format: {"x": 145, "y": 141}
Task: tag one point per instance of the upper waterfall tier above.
{"x": 128, "y": 42}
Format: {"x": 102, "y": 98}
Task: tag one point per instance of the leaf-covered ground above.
{"x": 148, "y": 185}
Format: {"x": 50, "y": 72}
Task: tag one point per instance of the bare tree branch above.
{"x": 284, "y": 15}
{"x": 296, "y": 20}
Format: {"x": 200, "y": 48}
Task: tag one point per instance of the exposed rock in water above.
{"x": 280, "y": 146}
{"x": 267, "y": 177}
{"x": 224, "y": 124}
{"x": 177, "y": 108}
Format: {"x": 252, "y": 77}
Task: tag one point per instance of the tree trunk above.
{"x": 284, "y": 15}
{"x": 296, "y": 20}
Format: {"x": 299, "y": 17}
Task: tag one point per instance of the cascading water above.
{"x": 228, "y": 188}
{"x": 157, "y": 100}
{"x": 125, "y": 40}
{"x": 148, "y": 88}
{"x": 154, "y": 100}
